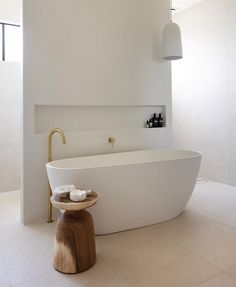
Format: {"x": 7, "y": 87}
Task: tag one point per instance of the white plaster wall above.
{"x": 183, "y": 4}
{"x": 204, "y": 87}
{"x": 10, "y": 11}
{"x": 10, "y": 103}
{"x": 89, "y": 52}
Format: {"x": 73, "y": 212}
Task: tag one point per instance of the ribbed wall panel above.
{"x": 89, "y": 52}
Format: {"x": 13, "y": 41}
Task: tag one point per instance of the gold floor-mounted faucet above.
{"x": 50, "y": 135}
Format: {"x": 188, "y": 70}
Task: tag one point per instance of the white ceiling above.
{"x": 184, "y": 4}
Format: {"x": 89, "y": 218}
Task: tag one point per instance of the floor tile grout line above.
{"x": 204, "y": 281}
{"x": 200, "y": 256}
{"x": 5, "y": 268}
{"x": 216, "y": 221}
{"x": 227, "y": 271}
{"x": 20, "y": 239}
{"x": 33, "y": 278}
{"x": 223, "y": 213}
{"x": 23, "y": 281}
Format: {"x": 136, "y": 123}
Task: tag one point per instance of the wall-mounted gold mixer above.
{"x": 111, "y": 141}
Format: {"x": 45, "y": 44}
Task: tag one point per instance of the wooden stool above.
{"x": 75, "y": 244}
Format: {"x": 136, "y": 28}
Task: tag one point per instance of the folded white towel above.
{"x": 63, "y": 189}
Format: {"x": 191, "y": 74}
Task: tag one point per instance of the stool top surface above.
{"x": 67, "y": 204}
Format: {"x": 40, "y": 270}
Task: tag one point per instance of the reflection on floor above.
{"x": 196, "y": 249}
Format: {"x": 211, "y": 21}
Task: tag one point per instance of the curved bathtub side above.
{"x": 137, "y": 195}
{"x": 144, "y": 194}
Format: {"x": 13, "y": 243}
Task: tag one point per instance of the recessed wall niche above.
{"x": 94, "y": 118}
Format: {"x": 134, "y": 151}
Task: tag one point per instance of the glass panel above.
{"x": 13, "y": 43}
{"x": 0, "y": 42}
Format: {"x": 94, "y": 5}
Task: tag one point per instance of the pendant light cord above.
{"x": 172, "y": 9}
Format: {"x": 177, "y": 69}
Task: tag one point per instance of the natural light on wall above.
{"x": 13, "y": 44}
{"x": 0, "y": 43}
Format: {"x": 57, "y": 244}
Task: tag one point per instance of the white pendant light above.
{"x": 171, "y": 42}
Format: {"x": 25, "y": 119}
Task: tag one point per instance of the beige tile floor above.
{"x": 196, "y": 249}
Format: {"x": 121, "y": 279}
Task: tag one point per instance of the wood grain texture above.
{"x": 74, "y": 245}
{"x": 67, "y": 204}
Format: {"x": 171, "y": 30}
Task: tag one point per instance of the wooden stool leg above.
{"x": 75, "y": 244}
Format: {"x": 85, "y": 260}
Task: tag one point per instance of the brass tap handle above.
{"x": 111, "y": 141}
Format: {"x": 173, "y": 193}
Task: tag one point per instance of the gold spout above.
{"x": 50, "y": 135}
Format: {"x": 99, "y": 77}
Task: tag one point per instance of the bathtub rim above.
{"x": 52, "y": 164}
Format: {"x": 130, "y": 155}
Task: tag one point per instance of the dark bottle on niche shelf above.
{"x": 155, "y": 121}
{"x": 147, "y": 124}
{"x": 160, "y": 121}
{"x": 150, "y": 123}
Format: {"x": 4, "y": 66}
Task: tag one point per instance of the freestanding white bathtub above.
{"x": 137, "y": 188}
